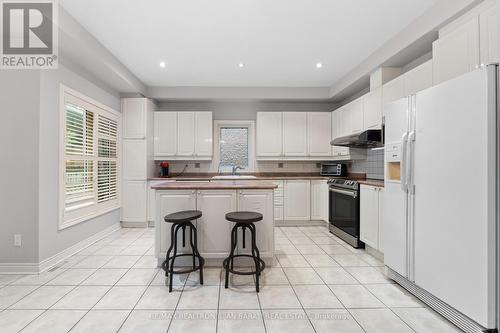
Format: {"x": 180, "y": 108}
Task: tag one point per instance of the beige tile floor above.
{"x": 318, "y": 284}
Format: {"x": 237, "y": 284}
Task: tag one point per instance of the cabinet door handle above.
{"x": 192, "y": 192}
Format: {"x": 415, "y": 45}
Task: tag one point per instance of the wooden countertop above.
{"x": 216, "y": 185}
{"x": 371, "y": 182}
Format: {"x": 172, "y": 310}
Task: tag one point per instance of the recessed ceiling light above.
{"x": 241, "y": 65}
{"x": 319, "y": 65}
{"x": 163, "y": 64}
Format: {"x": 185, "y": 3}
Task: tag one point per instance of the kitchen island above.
{"x": 214, "y": 199}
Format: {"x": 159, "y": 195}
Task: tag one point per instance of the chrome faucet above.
{"x": 236, "y": 168}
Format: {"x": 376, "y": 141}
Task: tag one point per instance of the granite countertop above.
{"x": 259, "y": 176}
{"x": 216, "y": 185}
{"x": 372, "y": 182}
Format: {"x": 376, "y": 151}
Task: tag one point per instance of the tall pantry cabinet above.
{"x": 137, "y": 159}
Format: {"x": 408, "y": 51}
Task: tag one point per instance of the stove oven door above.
{"x": 344, "y": 210}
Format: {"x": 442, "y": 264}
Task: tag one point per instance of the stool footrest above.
{"x": 166, "y": 268}
{"x": 226, "y": 265}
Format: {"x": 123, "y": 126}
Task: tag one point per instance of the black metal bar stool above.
{"x": 181, "y": 220}
{"x": 244, "y": 220}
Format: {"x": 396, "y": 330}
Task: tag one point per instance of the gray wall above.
{"x": 243, "y": 110}
{"x": 19, "y": 105}
{"x": 52, "y": 240}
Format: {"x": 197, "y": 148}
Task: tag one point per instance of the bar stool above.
{"x": 181, "y": 220}
{"x": 244, "y": 220}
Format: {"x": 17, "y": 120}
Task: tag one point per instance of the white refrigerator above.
{"x": 441, "y": 195}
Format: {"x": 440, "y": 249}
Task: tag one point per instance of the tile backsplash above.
{"x": 373, "y": 165}
{"x": 208, "y": 166}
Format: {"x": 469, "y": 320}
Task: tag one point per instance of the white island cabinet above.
{"x": 214, "y": 200}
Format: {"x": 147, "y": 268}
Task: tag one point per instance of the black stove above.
{"x": 344, "y": 210}
{"x": 343, "y": 183}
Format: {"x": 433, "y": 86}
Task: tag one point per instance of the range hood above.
{"x": 367, "y": 139}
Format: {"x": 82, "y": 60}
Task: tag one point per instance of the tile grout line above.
{"x": 345, "y": 308}
{"x": 140, "y": 297}
{"x": 178, "y": 300}
{"x": 295, "y": 293}
{"x": 87, "y": 312}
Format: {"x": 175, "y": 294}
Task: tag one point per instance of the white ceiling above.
{"x": 279, "y": 41}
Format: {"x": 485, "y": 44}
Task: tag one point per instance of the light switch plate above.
{"x": 17, "y": 240}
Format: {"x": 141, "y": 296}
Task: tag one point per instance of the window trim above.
{"x": 251, "y": 142}
{"x": 100, "y": 209}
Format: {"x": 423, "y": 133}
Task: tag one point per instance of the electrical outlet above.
{"x": 280, "y": 165}
{"x": 197, "y": 165}
{"x": 17, "y": 240}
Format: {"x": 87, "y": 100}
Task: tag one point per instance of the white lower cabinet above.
{"x": 214, "y": 231}
{"x": 171, "y": 202}
{"x": 257, "y": 201}
{"x": 319, "y": 200}
{"x": 279, "y": 200}
{"x": 134, "y": 201}
{"x": 214, "y": 204}
{"x": 381, "y": 219}
{"x": 297, "y": 200}
{"x": 371, "y": 200}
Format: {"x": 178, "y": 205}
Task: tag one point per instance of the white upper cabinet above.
{"x": 372, "y": 109}
{"x": 165, "y": 137}
{"x": 340, "y": 127}
{"x": 393, "y": 90}
{"x": 344, "y": 118}
{"x": 457, "y": 51}
{"x": 269, "y": 134}
{"x": 418, "y": 79}
{"x": 319, "y": 133}
{"x": 185, "y": 133}
{"x": 203, "y": 137}
{"x": 134, "y": 118}
{"x": 488, "y": 32}
{"x": 356, "y": 115}
{"x": 295, "y": 133}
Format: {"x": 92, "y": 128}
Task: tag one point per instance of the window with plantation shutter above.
{"x": 89, "y": 168}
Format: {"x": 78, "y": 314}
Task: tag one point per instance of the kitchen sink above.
{"x": 233, "y": 177}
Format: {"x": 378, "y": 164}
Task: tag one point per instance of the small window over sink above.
{"x": 234, "y": 145}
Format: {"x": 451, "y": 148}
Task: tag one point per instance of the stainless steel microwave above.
{"x": 333, "y": 169}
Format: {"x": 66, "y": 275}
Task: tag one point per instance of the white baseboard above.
{"x": 57, "y": 258}
{"x": 134, "y": 224}
{"x": 36, "y": 268}
{"x": 18, "y": 268}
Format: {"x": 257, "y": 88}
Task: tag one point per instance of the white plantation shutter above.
{"x": 79, "y": 167}
{"x": 90, "y": 165}
{"x": 107, "y": 173}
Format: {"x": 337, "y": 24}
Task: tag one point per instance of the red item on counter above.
{"x": 164, "y": 164}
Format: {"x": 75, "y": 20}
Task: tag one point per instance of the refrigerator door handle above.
{"x": 409, "y": 171}
{"x": 404, "y": 144}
